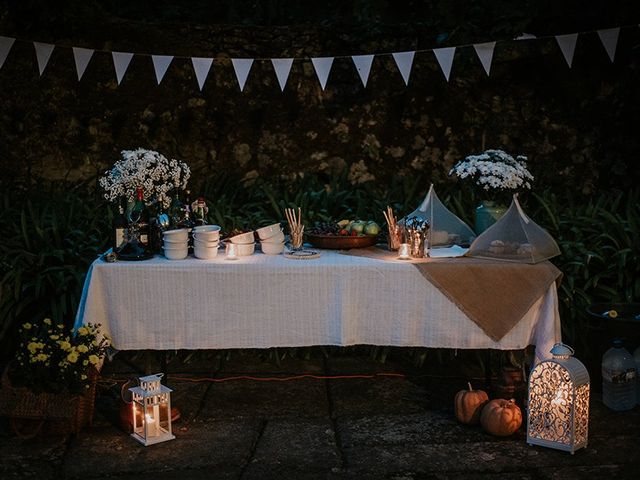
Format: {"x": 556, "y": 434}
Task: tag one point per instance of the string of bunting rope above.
{"x": 322, "y": 64}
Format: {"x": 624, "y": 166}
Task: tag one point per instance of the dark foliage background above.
{"x": 345, "y": 151}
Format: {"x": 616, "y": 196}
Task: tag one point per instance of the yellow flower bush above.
{"x": 53, "y": 359}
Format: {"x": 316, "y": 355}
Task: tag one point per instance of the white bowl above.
{"x": 176, "y": 253}
{"x": 206, "y": 228}
{"x": 243, "y": 238}
{"x": 245, "y": 249}
{"x": 202, "y": 244}
{"x": 205, "y": 253}
{"x": 174, "y": 235}
{"x": 269, "y": 231}
{"x": 277, "y": 238}
{"x": 270, "y": 248}
{"x": 207, "y": 236}
{"x": 172, "y": 242}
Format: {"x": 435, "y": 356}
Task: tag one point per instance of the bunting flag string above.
{"x": 121, "y": 61}
{"x": 161, "y": 65}
{"x": 242, "y": 66}
{"x": 43, "y": 54}
{"x": 81, "y": 56}
{"x": 201, "y": 66}
{"x": 282, "y": 67}
{"x": 485, "y": 54}
{"x": 567, "y": 44}
{"x": 5, "y": 46}
{"x": 609, "y": 39}
{"x": 322, "y": 65}
{"x": 445, "y": 59}
{"x": 404, "y": 61}
{"x": 363, "y": 66}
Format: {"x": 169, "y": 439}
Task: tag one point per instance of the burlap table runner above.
{"x": 494, "y": 295}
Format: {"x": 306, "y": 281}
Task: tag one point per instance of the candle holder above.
{"x": 396, "y": 230}
{"x": 231, "y": 251}
{"x": 417, "y": 229}
{"x": 296, "y": 228}
{"x": 404, "y": 252}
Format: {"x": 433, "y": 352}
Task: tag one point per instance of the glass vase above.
{"x": 487, "y": 213}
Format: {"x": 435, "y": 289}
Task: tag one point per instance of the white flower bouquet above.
{"x": 155, "y": 173}
{"x": 495, "y": 170}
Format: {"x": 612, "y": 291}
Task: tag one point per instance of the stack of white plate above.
{"x": 206, "y": 240}
{"x": 244, "y": 244}
{"x": 176, "y": 244}
{"x": 271, "y": 239}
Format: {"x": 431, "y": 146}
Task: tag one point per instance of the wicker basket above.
{"x": 49, "y": 413}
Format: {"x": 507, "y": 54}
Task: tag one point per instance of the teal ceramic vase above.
{"x": 487, "y": 213}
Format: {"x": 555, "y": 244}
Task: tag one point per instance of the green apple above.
{"x": 357, "y": 227}
{"x": 372, "y": 228}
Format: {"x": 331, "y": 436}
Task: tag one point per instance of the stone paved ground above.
{"x": 386, "y": 428}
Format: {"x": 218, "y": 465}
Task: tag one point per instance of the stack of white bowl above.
{"x": 176, "y": 244}
{"x": 245, "y": 244}
{"x": 206, "y": 240}
{"x": 271, "y": 239}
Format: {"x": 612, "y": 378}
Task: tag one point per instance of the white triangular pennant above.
{"x": 201, "y": 66}
{"x": 485, "y": 54}
{"x": 567, "y": 44}
{"x": 609, "y": 39}
{"x": 121, "y": 62}
{"x": 282, "y": 67}
{"x": 322, "y": 66}
{"x": 242, "y": 66}
{"x": 404, "y": 61}
{"x": 5, "y": 45}
{"x": 160, "y": 65}
{"x": 81, "y": 57}
{"x": 43, "y": 54}
{"x": 445, "y": 59}
{"x": 363, "y": 65}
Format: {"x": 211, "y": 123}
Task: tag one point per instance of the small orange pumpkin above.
{"x": 501, "y": 417}
{"x": 468, "y": 404}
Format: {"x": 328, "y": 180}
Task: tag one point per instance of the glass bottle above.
{"x": 176, "y": 210}
{"x": 119, "y": 226}
{"x": 200, "y": 211}
{"x": 139, "y": 217}
{"x": 618, "y": 378}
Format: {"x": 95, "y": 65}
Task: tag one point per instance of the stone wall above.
{"x": 578, "y": 126}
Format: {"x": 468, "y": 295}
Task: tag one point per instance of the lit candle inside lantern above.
{"x": 232, "y": 253}
{"x": 153, "y": 425}
{"x": 403, "y": 251}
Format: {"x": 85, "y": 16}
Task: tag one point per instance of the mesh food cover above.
{"x": 446, "y": 227}
{"x": 515, "y": 238}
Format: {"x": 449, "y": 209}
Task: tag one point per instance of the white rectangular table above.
{"x": 266, "y": 301}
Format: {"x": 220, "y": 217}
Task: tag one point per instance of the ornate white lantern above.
{"x": 558, "y": 406}
{"x": 151, "y": 411}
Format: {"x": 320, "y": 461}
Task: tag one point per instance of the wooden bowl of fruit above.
{"x": 343, "y": 235}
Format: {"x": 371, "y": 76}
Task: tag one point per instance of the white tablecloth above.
{"x": 269, "y": 301}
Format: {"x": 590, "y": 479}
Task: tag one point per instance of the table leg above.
{"x": 487, "y": 369}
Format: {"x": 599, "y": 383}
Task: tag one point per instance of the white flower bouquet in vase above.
{"x": 496, "y": 173}
{"x": 147, "y": 178}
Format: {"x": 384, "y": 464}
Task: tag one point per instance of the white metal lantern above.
{"x": 151, "y": 411}
{"x": 558, "y": 403}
